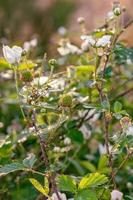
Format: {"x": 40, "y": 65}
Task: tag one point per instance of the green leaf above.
{"x": 92, "y": 180}
{"x": 77, "y": 166}
{"x": 5, "y": 148}
{"x": 66, "y": 183}
{"x": 86, "y": 195}
{"x": 30, "y": 160}
{"x": 102, "y": 162}
{"x": 85, "y": 68}
{"x": 88, "y": 166}
{"x": 105, "y": 105}
{"x": 104, "y": 193}
{"x": 76, "y": 135}
{"x": 11, "y": 168}
{"x": 117, "y": 107}
{"x": 46, "y": 184}
{"x": 39, "y": 187}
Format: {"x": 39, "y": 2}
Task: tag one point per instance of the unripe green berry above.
{"x": 65, "y": 100}
{"x": 26, "y": 76}
{"x": 52, "y": 118}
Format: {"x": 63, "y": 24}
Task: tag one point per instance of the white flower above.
{"x": 62, "y": 196}
{"x": 67, "y": 141}
{"x": 40, "y": 80}
{"x": 110, "y": 15}
{"x": 103, "y": 41}
{"x": 57, "y": 149}
{"x": 63, "y": 51}
{"x": 33, "y": 42}
{"x": 12, "y": 55}
{"x": 88, "y": 39}
{"x": 85, "y": 46}
{"x": 116, "y": 195}
{"x": 62, "y": 31}
{"x": 129, "y": 61}
{"x": 130, "y": 130}
{"x": 26, "y": 46}
{"x": 30, "y": 44}
{"x": 68, "y": 48}
{"x": 85, "y": 131}
{"x": 102, "y": 149}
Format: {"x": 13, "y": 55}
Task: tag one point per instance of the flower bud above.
{"x": 117, "y": 11}
{"x": 52, "y": 62}
{"x": 81, "y": 20}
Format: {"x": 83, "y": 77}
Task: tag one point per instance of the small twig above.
{"x": 124, "y": 161}
{"x": 124, "y": 28}
{"x": 123, "y": 94}
{"x": 106, "y": 134}
{"x": 82, "y": 119}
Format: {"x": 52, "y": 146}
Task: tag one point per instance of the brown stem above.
{"x": 106, "y": 134}
{"x": 44, "y": 155}
{"x": 54, "y": 186}
{"x": 41, "y": 141}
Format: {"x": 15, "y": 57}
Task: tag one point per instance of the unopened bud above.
{"x": 52, "y": 62}
{"x": 117, "y": 11}
{"x": 81, "y": 20}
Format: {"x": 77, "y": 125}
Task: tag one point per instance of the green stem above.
{"x": 17, "y": 90}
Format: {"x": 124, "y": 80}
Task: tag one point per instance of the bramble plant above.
{"x": 77, "y": 133}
